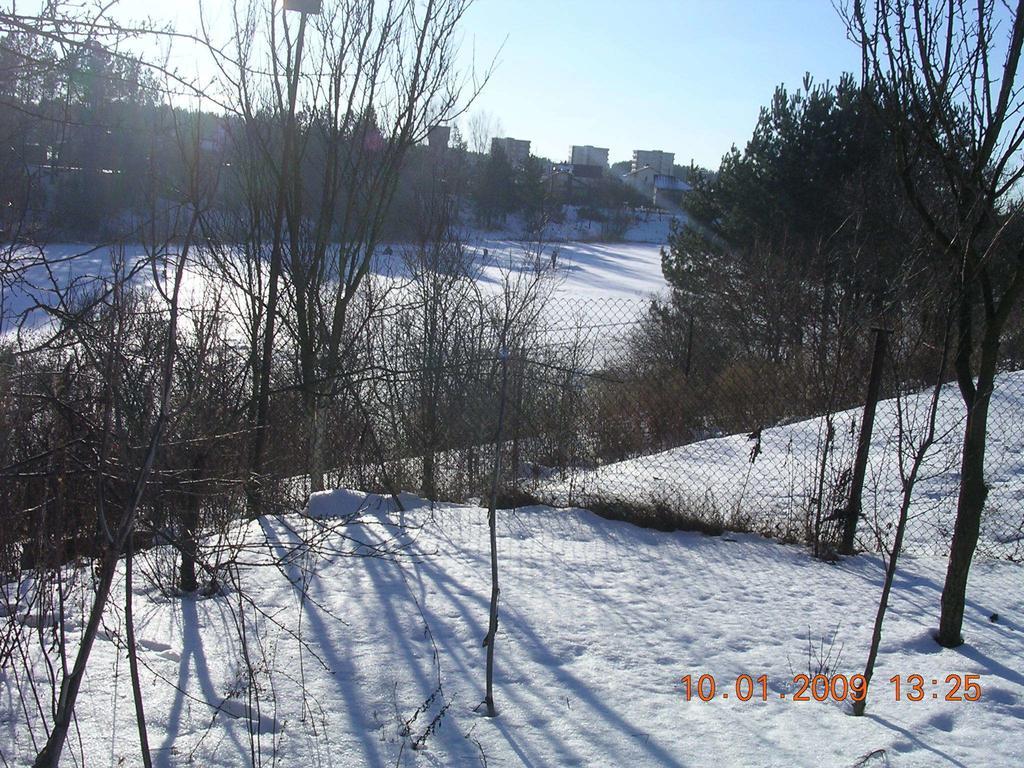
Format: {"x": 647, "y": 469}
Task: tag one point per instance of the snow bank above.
{"x": 777, "y": 491}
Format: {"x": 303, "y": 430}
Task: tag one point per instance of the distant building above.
{"x": 516, "y": 151}
{"x": 559, "y": 177}
{"x": 642, "y": 179}
{"x": 669, "y": 191}
{"x": 304, "y": 6}
{"x": 589, "y": 155}
{"x": 661, "y": 162}
{"x": 439, "y": 137}
{"x": 664, "y": 189}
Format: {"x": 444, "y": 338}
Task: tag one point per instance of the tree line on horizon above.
{"x": 91, "y": 147}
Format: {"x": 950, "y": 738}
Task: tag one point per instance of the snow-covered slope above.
{"x": 599, "y": 623}
{"x": 776, "y": 492}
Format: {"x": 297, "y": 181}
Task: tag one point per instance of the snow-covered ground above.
{"x": 622, "y": 274}
{"x": 592, "y": 271}
{"x": 599, "y": 622}
{"x": 776, "y": 491}
{"x": 588, "y": 277}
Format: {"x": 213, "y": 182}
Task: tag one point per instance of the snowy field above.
{"x": 589, "y": 270}
{"x": 587, "y": 274}
{"x": 775, "y": 492}
{"x": 600, "y": 621}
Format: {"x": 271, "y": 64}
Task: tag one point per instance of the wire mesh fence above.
{"x": 591, "y": 416}
{"x": 603, "y": 403}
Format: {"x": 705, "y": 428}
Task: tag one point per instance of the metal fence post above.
{"x": 860, "y": 464}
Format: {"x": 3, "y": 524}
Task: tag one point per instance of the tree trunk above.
{"x": 187, "y": 580}
{"x": 883, "y": 601}
{"x": 133, "y": 657}
{"x": 428, "y": 409}
{"x": 492, "y": 524}
{"x": 429, "y": 473}
{"x": 317, "y": 437}
{"x": 971, "y": 500}
{"x": 49, "y": 756}
{"x": 970, "y": 505}
{"x": 255, "y": 486}
{"x": 517, "y": 417}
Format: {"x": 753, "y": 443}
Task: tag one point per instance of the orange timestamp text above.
{"x": 821, "y": 687}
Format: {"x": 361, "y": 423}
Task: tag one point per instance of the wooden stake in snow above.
{"x": 867, "y": 426}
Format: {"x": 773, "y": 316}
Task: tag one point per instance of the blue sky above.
{"x": 686, "y": 76}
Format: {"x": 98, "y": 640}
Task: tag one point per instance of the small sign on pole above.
{"x": 303, "y": 6}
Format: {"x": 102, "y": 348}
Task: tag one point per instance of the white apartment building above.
{"x": 439, "y": 137}
{"x": 660, "y": 162}
{"x": 588, "y": 155}
{"x": 516, "y": 150}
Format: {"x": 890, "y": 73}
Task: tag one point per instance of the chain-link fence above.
{"x": 586, "y": 404}
{"x": 460, "y": 389}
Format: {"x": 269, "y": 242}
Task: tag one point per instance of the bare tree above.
{"x": 441, "y": 335}
{"x": 515, "y": 311}
{"x": 117, "y": 517}
{"x": 483, "y": 126}
{"x": 956, "y": 117}
{"x": 380, "y": 74}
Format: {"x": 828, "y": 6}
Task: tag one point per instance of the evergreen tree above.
{"x": 494, "y": 192}
{"x": 793, "y": 239}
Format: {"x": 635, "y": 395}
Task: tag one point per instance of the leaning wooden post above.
{"x": 867, "y": 426}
